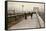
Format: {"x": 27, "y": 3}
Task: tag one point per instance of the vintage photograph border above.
{"x": 6, "y": 14}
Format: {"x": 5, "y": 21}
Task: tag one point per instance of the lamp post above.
{"x": 25, "y": 12}
{"x": 22, "y": 7}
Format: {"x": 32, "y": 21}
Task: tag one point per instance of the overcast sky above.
{"x": 17, "y": 6}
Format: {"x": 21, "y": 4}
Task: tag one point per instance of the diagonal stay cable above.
{"x": 38, "y": 19}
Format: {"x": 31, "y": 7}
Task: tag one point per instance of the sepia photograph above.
{"x": 25, "y": 15}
